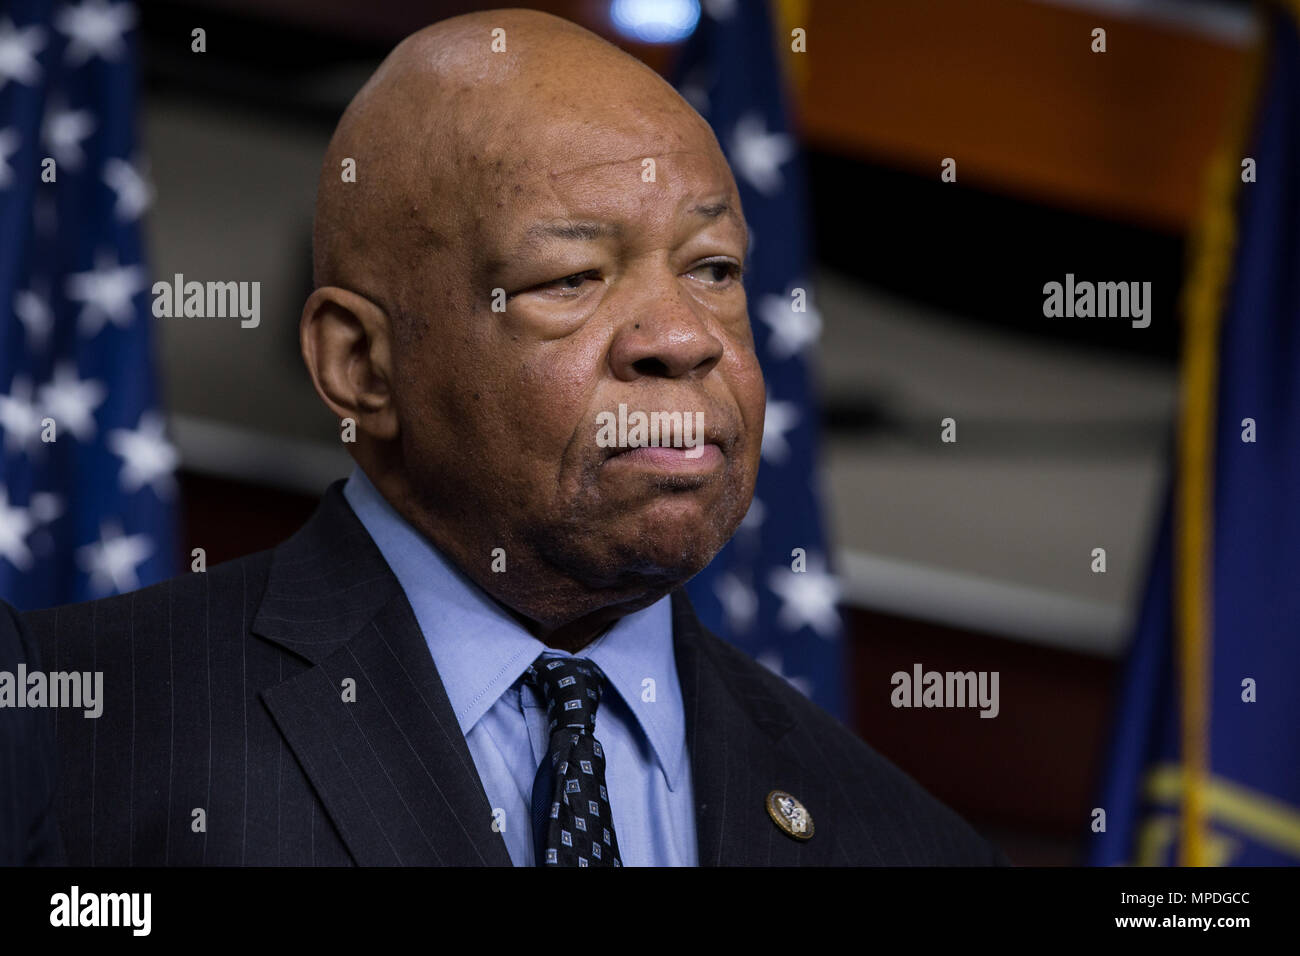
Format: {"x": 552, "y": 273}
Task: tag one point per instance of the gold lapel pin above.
{"x": 790, "y": 815}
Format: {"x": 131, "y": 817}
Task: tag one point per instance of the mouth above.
{"x": 699, "y": 460}
{"x": 642, "y": 445}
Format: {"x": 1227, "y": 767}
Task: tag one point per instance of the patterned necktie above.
{"x": 572, "y": 825}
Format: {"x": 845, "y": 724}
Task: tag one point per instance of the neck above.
{"x": 571, "y": 637}
{"x": 557, "y": 609}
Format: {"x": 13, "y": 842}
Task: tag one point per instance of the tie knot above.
{"x": 571, "y": 687}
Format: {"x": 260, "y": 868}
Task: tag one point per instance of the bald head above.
{"x": 442, "y": 130}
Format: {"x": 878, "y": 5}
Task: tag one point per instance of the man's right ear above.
{"x": 347, "y": 343}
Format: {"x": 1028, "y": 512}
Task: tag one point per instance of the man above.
{"x": 478, "y": 650}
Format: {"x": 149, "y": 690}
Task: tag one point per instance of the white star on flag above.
{"x": 148, "y": 458}
{"x": 808, "y": 598}
{"x": 14, "y": 528}
{"x": 37, "y": 319}
{"x": 738, "y": 601}
{"x": 19, "y": 416}
{"x": 772, "y": 661}
{"x": 63, "y": 130}
{"x": 134, "y": 194}
{"x": 71, "y": 401}
{"x": 18, "y": 53}
{"x": 757, "y": 155}
{"x": 9, "y": 140}
{"x": 780, "y": 418}
{"x": 95, "y": 28}
{"x": 792, "y": 331}
{"x": 111, "y": 561}
{"x": 45, "y": 506}
{"x": 106, "y": 291}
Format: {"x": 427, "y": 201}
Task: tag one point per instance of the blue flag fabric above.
{"x": 770, "y": 591}
{"x": 87, "y": 489}
{"x": 1252, "y": 788}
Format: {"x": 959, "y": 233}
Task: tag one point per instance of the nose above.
{"x": 664, "y": 335}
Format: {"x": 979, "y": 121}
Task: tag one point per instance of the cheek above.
{"x": 551, "y": 396}
{"x": 452, "y": 425}
{"x": 751, "y": 393}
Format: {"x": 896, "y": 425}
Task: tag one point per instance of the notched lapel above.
{"x": 736, "y": 732}
{"x": 388, "y": 760}
{"x": 391, "y": 766}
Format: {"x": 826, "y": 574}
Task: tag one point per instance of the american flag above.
{"x": 87, "y": 491}
{"x": 754, "y": 593}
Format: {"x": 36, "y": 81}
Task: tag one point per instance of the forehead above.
{"x": 642, "y": 166}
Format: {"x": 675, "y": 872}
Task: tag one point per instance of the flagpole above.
{"x": 1211, "y": 255}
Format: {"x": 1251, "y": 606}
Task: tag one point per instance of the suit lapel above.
{"x": 370, "y": 721}
{"x": 736, "y": 732}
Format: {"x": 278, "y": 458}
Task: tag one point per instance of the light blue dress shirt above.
{"x": 481, "y": 653}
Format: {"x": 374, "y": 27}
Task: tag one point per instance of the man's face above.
{"x": 617, "y": 291}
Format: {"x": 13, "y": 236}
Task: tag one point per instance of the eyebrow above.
{"x": 713, "y": 210}
{"x": 583, "y": 230}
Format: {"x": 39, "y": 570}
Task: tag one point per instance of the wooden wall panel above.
{"x": 1011, "y": 90}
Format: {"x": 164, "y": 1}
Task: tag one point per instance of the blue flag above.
{"x": 1205, "y": 767}
{"x": 87, "y": 490}
{"x": 770, "y": 591}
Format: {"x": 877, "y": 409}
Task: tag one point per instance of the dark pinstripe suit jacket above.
{"x": 225, "y": 738}
{"x": 28, "y": 835}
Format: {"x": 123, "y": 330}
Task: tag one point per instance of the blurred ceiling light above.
{"x": 655, "y": 21}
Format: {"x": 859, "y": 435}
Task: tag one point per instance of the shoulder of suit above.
{"x": 862, "y": 769}
{"x": 171, "y": 603}
{"x": 801, "y": 711}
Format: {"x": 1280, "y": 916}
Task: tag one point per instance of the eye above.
{"x": 720, "y": 272}
{"x": 570, "y": 283}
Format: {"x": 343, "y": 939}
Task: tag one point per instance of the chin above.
{"x": 653, "y": 541}
{"x": 642, "y": 559}
{"x": 673, "y": 553}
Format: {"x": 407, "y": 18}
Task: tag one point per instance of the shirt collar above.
{"x": 480, "y": 650}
